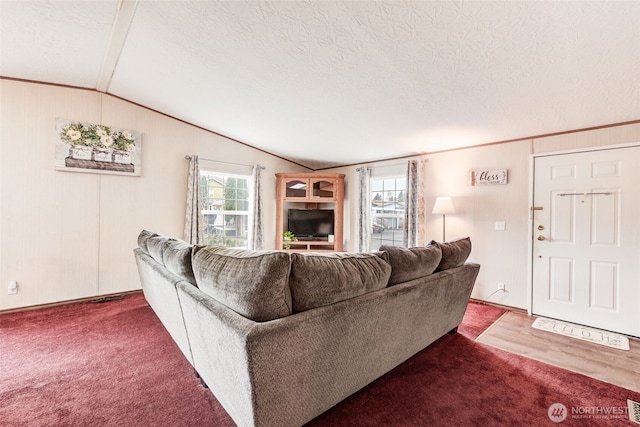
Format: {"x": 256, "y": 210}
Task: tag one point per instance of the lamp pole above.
{"x": 443, "y": 206}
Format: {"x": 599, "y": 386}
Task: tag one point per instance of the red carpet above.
{"x": 113, "y": 364}
{"x": 98, "y": 364}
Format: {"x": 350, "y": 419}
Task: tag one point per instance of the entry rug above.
{"x": 584, "y": 333}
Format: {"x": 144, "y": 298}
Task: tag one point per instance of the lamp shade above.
{"x": 443, "y": 206}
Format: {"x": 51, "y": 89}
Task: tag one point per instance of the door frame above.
{"x": 530, "y": 225}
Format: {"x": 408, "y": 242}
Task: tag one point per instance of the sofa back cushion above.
{"x": 454, "y": 253}
{"x": 319, "y": 279}
{"x": 252, "y": 283}
{"x": 142, "y": 240}
{"x": 411, "y": 263}
{"x": 155, "y": 247}
{"x": 176, "y": 256}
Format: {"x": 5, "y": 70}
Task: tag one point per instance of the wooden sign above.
{"x": 488, "y": 176}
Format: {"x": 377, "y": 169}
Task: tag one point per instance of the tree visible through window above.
{"x": 387, "y": 211}
{"x": 225, "y": 209}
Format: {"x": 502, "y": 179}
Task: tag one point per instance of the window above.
{"x": 387, "y": 211}
{"x": 225, "y": 209}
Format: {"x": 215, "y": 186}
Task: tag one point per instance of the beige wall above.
{"x": 503, "y": 255}
{"x": 67, "y": 235}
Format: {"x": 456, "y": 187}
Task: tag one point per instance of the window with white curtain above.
{"x": 387, "y": 210}
{"x": 225, "y": 208}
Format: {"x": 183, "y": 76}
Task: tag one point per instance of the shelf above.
{"x": 313, "y": 245}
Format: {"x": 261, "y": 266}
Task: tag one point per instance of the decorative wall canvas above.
{"x": 92, "y": 148}
{"x": 488, "y": 177}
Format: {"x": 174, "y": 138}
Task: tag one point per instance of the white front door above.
{"x": 586, "y": 239}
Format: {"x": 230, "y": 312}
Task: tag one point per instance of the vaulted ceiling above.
{"x": 328, "y": 83}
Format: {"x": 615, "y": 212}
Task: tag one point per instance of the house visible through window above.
{"x": 225, "y": 208}
{"x": 387, "y": 211}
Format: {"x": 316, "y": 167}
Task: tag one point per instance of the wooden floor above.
{"x": 513, "y": 333}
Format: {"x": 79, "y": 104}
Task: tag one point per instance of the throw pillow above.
{"x": 454, "y": 253}
{"x": 411, "y": 263}
{"x": 251, "y": 283}
{"x": 319, "y": 279}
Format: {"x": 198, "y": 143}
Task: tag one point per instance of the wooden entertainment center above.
{"x": 310, "y": 191}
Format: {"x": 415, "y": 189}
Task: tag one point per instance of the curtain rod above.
{"x": 188, "y": 157}
{"x": 393, "y": 164}
{"x": 380, "y": 167}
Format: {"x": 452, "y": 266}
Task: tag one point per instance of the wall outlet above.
{"x": 500, "y": 226}
{"x": 13, "y": 287}
{"x": 502, "y": 287}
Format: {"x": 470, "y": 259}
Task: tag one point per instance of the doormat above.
{"x": 584, "y": 333}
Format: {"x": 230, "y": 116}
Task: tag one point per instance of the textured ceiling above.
{"x": 327, "y": 83}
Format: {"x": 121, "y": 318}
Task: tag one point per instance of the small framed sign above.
{"x": 488, "y": 176}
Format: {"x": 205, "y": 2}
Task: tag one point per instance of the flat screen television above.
{"x": 310, "y": 223}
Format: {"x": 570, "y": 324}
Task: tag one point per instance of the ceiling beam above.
{"x": 119, "y": 31}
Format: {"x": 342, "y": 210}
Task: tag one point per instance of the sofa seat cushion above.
{"x": 411, "y": 263}
{"x": 454, "y": 253}
{"x": 319, "y": 279}
{"x": 252, "y": 283}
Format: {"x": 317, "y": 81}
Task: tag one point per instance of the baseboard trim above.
{"x": 502, "y": 306}
{"x": 95, "y": 298}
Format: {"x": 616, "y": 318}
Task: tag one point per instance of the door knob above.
{"x": 540, "y": 237}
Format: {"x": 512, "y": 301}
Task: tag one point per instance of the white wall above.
{"x": 68, "y": 235}
{"x": 503, "y": 255}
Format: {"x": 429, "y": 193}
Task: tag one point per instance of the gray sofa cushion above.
{"x": 155, "y": 247}
{"x": 177, "y": 258}
{"x": 454, "y": 253}
{"x": 252, "y": 283}
{"x": 411, "y": 263}
{"x": 142, "y": 240}
{"x": 319, "y": 279}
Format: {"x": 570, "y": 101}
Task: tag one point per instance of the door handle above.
{"x": 540, "y": 237}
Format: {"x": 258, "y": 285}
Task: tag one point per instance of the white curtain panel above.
{"x": 414, "y": 204}
{"x": 364, "y": 209}
{"x": 257, "y": 227}
{"x": 193, "y": 220}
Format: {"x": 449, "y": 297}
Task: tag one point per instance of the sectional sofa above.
{"x": 280, "y": 337}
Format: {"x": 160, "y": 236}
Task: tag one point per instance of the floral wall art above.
{"x": 85, "y": 147}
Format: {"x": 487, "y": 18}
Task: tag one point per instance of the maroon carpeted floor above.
{"x": 98, "y": 364}
{"x": 113, "y": 364}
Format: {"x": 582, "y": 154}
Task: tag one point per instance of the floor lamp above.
{"x": 443, "y": 206}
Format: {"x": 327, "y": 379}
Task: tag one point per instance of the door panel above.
{"x": 561, "y": 283}
{"x": 562, "y": 217}
{"x": 586, "y": 246}
{"x": 604, "y": 285}
{"x": 605, "y": 225}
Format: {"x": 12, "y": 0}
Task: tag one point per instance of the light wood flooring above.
{"x": 513, "y": 333}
